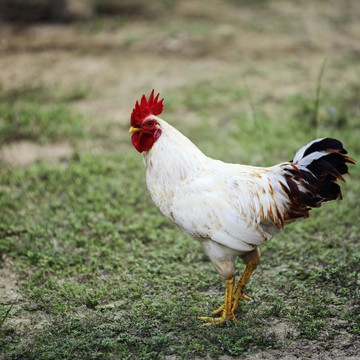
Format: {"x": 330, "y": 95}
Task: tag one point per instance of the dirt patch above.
{"x": 10, "y": 294}
{"x": 23, "y": 315}
{"x": 25, "y": 152}
{"x": 340, "y": 348}
{"x": 8, "y": 285}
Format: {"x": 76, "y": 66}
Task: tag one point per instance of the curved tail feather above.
{"x": 311, "y": 177}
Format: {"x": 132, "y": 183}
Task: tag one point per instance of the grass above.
{"x": 31, "y": 113}
{"x": 100, "y": 273}
{"x": 108, "y": 276}
{"x": 5, "y": 312}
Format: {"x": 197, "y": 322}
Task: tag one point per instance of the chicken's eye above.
{"x": 150, "y": 123}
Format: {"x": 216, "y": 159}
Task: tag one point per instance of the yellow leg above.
{"x": 239, "y": 290}
{"x": 227, "y": 313}
{"x": 233, "y": 296}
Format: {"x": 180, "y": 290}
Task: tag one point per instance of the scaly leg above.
{"x": 251, "y": 260}
{"x": 227, "y": 313}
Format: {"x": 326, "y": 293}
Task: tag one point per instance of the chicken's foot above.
{"x": 221, "y": 308}
{"x": 227, "y": 313}
{"x": 251, "y": 259}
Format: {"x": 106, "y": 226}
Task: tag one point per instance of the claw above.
{"x": 235, "y": 303}
{"x": 246, "y": 297}
{"x": 226, "y": 308}
{"x": 237, "y": 299}
{"x": 227, "y": 315}
{"x": 212, "y": 321}
{"x": 219, "y": 310}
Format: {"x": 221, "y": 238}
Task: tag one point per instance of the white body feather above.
{"x": 236, "y": 206}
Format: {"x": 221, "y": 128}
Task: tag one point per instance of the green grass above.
{"x": 32, "y": 113}
{"x": 103, "y": 275}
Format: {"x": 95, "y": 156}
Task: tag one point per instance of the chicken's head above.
{"x": 144, "y": 128}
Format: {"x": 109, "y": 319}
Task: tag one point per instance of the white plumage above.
{"x": 234, "y": 205}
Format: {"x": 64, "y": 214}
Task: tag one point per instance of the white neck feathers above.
{"x": 173, "y": 155}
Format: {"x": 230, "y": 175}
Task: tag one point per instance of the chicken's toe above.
{"x": 219, "y": 310}
{"x": 212, "y": 321}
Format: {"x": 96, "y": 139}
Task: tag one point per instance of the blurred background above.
{"x": 213, "y": 61}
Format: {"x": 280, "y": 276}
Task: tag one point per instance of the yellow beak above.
{"x": 133, "y": 129}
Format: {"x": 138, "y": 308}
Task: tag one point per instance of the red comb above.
{"x": 146, "y": 108}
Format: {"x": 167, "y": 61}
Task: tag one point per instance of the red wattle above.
{"x": 143, "y": 141}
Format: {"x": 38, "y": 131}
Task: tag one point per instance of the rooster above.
{"x": 231, "y": 209}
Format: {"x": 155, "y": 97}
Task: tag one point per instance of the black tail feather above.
{"x": 324, "y": 144}
{"x": 312, "y": 175}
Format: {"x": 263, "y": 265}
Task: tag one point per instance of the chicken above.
{"x": 231, "y": 209}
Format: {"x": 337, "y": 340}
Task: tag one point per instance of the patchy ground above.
{"x": 24, "y": 152}
{"x": 76, "y": 255}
